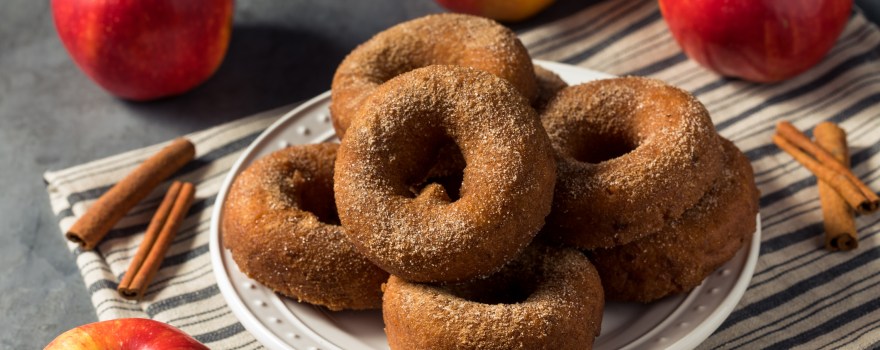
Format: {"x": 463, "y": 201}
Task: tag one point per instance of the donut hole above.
{"x": 422, "y": 155}
{"x": 450, "y": 183}
{"x": 597, "y": 148}
{"x": 447, "y": 171}
{"x": 314, "y": 196}
{"x": 510, "y": 286}
{"x": 322, "y": 205}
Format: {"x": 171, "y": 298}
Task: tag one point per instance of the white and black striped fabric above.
{"x": 184, "y": 292}
{"x": 801, "y": 295}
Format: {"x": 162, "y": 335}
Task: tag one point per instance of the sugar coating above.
{"x": 507, "y": 183}
{"x": 671, "y": 154}
{"x": 564, "y": 310}
{"x": 443, "y": 39}
{"x": 685, "y": 251}
{"x": 278, "y": 241}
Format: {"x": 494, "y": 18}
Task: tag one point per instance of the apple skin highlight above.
{"x": 125, "y": 334}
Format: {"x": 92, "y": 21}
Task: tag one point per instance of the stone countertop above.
{"x": 52, "y": 117}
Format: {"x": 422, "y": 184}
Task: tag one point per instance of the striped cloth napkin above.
{"x": 801, "y": 295}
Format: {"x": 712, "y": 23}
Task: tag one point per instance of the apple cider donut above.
{"x": 445, "y": 39}
{"x": 632, "y": 154}
{"x": 280, "y": 224}
{"x": 548, "y": 298}
{"x": 418, "y": 232}
{"x": 687, "y": 250}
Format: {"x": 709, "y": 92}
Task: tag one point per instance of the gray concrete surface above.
{"x": 870, "y": 8}
{"x": 52, "y": 117}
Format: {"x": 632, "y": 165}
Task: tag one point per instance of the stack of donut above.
{"x": 645, "y": 186}
{"x": 505, "y": 206}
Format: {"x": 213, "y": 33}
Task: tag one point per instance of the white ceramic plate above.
{"x": 679, "y": 322}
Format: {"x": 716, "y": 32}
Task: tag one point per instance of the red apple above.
{"x": 757, "y": 40}
{"x": 145, "y": 49}
{"x": 125, "y": 334}
{"x": 501, "y": 10}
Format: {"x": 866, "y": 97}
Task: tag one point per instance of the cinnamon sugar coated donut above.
{"x": 632, "y": 153}
{"x": 279, "y": 223}
{"x": 420, "y": 233}
{"x": 446, "y": 39}
{"x": 687, "y": 250}
{"x": 548, "y": 298}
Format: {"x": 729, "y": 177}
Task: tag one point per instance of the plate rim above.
{"x": 705, "y": 329}
{"x": 241, "y": 312}
{"x": 269, "y": 339}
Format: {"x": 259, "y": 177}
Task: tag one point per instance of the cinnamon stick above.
{"x": 871, "y": 201}
{"x": 112, "y": 206}
{"x": 161, "y": 231}
{"x": 150, "y": 236}
{"x": 839, "y": 182}
{"x": 840, "y": 227}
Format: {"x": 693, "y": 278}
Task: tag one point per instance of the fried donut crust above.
{"x": 421, "y": 234}
{"x": 687, "y": 250}
{"x": 548, "y": 298}
{"x": 443, "y": 39}
{"x": 632, "y": 153}
{"x": 272, "y": 225}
